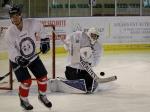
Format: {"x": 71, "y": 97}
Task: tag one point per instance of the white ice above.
{"x": 130, "y": 93}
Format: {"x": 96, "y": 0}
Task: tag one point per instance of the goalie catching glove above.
{"x": 22, "y": 61}
{"x": 45, "y": 45}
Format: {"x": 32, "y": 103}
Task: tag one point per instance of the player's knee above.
{"x": 26, "y": 83}
{"x": 42, "y": 80}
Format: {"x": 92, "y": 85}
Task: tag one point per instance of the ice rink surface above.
{"x": 130, "y": 93}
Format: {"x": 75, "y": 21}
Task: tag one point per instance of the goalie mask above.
{"x": 93, "y": 34}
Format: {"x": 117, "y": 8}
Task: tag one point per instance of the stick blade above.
{"x": 107, "y": 79}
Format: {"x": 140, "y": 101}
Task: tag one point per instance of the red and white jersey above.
{"x": 23, "y": 43}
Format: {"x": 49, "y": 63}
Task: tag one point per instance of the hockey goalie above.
{"x": 84, "y": 52}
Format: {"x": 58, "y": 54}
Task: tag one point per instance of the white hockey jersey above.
{"x": 23, "y": 43}
{"x": 81, "y": 39}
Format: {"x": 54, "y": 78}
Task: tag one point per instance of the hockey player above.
{"x": 21, "y": 41}
{"x": 88, "y": 46}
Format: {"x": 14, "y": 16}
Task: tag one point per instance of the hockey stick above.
{"x": 1, "y": 78}
{"x": 15, "y": 69}
{"x": 87, "y": 67}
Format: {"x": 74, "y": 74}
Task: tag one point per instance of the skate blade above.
{"x": 49, "y": 108}
{"x": 24, "y": 110}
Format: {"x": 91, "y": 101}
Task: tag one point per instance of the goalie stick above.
{"x": 87, "y": 67}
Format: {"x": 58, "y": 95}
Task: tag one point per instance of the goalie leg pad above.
{"x": 69, "y": 86}
{"x": 94, "y": 86}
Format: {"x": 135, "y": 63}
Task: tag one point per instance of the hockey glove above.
{"x": 22, "y": 61}
{"x": 45, "y": 45}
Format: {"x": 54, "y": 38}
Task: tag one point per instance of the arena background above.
{"x": 122, "y": 24}
{"x": 124, "y": 27}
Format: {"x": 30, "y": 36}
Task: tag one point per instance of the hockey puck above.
{"x": 102, "y": 73}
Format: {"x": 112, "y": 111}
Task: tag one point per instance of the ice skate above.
{"x": 25, "y": 104}
{"x": 43, "y": 99}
